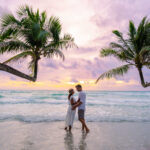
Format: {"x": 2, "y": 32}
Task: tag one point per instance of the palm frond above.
{"x": 120, "y": 49}
{"x": 121, "y": 55}
{"x": 147, "y": 33}
{"x": 108, "y": 52}
{"x": 31, "y": 66}
{"x": 55, "y": 28}
{"x": 21, "y": 11}
{"x": 119, "y": 71}
{"x": 117, "y": 46}
{"x": 132, "y": 30}
{"x": 145, "y": 50}
{"x": 144, "y": 54}
{"x": 67, "y": 41}
{"x": 5, "y": 35}
{"x": 49, "y": 53}
{"x": 140, "y": 35}
{"x": 147, "y": 64}
{"x": 13, "y": 45}
{"x": 43, "y": 18}
{"x": 18, "y": 56}
{"x": 123, "y": 41}
{"x": 42, "y": 36}
{"x": 9, "y": 19}
{"x": 141, "y": 26}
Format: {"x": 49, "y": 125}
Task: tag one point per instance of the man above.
{"x": 81, "y": 107}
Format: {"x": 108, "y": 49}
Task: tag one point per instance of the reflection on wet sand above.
{"x": 82, "y": 144}
{"x": 70, "y": 145}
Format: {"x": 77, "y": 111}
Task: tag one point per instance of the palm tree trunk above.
{"x": 142, "y": 78}
{"x": 13, "y": 71}
{"x": 36, "y": 68}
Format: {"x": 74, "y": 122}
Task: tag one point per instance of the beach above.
{"x": 34, "y": 120}
{"x": 15, "y": 135}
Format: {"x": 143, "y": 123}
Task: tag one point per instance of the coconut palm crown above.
{"x": 32, "y": 34}
{"x": 134, "y": 51}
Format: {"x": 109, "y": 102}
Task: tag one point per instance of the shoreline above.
{"x": 51, "y": 136}
{"x": 66, "y": 90}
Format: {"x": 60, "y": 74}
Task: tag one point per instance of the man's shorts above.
{"x": 81, "y": 114}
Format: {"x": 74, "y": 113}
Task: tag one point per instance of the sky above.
{"x": 90, "y": 22}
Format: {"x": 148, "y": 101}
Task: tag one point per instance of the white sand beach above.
{"x": 15, "y": 135}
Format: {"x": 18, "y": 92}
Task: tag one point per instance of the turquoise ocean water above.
{"x": 49, "y": 106}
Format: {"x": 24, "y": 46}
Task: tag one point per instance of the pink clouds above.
{"x": 91, "y": 23}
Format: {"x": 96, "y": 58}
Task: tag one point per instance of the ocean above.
{"x": 51, "y": 106}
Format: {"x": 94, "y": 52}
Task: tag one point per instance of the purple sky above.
{"x": 90, "y": 23}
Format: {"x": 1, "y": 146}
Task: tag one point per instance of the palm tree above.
{"x": 134, "y": 51}
{"x": 4, "y": 36}
{"x": 32, "y": 34}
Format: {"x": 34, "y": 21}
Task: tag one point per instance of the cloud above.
{"x": 52, "y": 64}
{"x": 91, "y": 24}
{"x": 74, "y": 80}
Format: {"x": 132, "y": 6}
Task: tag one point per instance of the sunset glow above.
{"x": 91, "y": 24}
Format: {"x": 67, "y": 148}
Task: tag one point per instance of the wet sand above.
{"x": 16, "y": 135}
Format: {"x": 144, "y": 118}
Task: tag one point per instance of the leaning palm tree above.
{"x": 4, "y": 67}
{"x": 134, "y": 51}
{"x": 32, "y": 34}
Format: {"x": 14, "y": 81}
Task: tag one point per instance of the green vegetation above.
{"x": 133, "y": 51}
{"x": 31, "y": 34}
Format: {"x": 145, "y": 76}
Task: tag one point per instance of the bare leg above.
{"x": 70, "y": 128}
{"x": 84, "y": 125}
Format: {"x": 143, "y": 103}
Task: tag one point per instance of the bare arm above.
{"x": 77, "y": 104}
{"x": 77, "y": 101}
{"x": 72, "y": 102}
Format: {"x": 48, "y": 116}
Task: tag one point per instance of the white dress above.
{"x": 70, "y": 113}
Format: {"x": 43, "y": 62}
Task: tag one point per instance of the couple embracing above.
{"x": 73, "y": 104}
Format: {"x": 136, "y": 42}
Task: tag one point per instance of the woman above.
{"x": 70, "y": 113}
